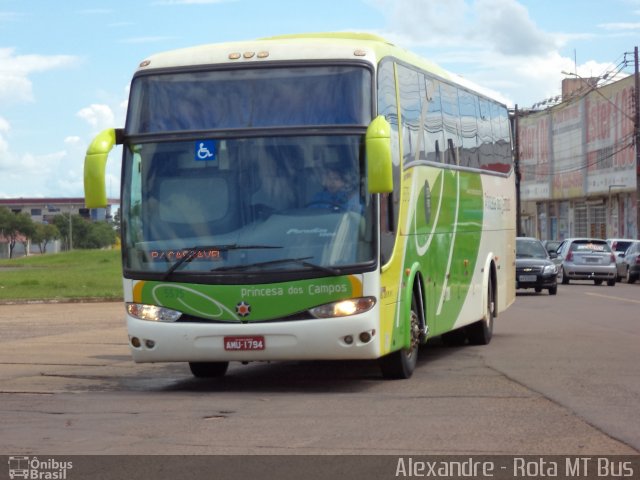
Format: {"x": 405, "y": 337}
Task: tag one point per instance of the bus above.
{"x": 325, "y": 196}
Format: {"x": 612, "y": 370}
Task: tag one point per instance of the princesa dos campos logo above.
{"x": 38, "y": 469}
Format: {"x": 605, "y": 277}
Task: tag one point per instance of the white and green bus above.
{"x": 235, "y": 246}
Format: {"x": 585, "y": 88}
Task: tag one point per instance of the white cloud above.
{"x": 72, "y": 140}
{"x": 505, "y": 25}
{"x": 15, "y": 72}
{"x": 495, "y": 42}
{"x": 97, "y": 115}
{"x": 620, "y": 26}
{"x": 4, "y": 145}
{"x": 38, "y": 169}
{"x": 4, "y": 125}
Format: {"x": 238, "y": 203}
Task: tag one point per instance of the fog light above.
{"x": 149, "y": 344}
{"x": 365, "y": 337}
{"x": 135, "y": 342}
{"x": 348, "y": 339}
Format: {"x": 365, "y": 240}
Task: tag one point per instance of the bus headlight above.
{"x": 152, "y": 313}
{"x": 343, "y": 308}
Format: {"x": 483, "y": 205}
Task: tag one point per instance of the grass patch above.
{"x": 80, "y": 274}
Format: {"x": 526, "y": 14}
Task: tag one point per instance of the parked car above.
{"x": 620, "y": 245}
{"x": 551, "y": 245}
{"x": 621, "y": 265}
{"x": 534, "y": 268}
{"x": 631, "y": 262}
{"x": 586, "y": 259}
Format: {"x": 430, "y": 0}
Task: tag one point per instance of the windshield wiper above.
{"x": 301, "y": 261}
{"x": 191, "y": 252}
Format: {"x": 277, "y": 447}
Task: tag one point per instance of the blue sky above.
{"x": 65, "y": 66}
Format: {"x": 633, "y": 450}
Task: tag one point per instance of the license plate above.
{"x": 244, "y": 343}
{"x": 527, "y": 278}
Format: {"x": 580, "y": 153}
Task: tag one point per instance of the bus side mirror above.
{"x": 95, "y": 162}
{"x": 378, "y": 148}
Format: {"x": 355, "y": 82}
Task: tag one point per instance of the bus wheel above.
{"x": 208, "y": 369}
{"x": 401, "y": 363}
{"x": 480, "y": 333}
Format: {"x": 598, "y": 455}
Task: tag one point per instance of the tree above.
{"x": 83, "y": 233}
{"x": 116, "y": 222}
{"x": 45, "y": 233}
{"x": 13, "y": 226}
{"x": 5, "y": 217}
{"x": 100, "y": 235}
{"x": 27, "y": 228}
{"x": 71, "y": 228}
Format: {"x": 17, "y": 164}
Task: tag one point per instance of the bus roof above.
{"x": 305, "y": 46}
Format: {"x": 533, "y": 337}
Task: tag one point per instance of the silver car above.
{"x": 586, "y": 259}
{"x": 619, "y": 246}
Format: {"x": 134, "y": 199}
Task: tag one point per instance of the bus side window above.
{"x": 432, "y": 123}
{"x": 451, "y": 121}
{"x": 387, "y": 238}
{"x": 389, "y": 203}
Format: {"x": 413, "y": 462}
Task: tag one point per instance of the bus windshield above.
{"x": 250, "y": 98}
{"x": 251, "y": 205}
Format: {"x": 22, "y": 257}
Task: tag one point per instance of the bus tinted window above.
{"x": 485, "y": 133}
{"x": 501, "y": 159}
{"x": 469, "y": 128}
{"x": 250, "y": 98}
{"x": 451, "y": 120}
{"x": 411, "y": 105}
{"x": 433, "y": 121}
{"x": 389, "y": 203}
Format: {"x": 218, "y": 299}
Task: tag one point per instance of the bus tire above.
{"x": 481, "y": 332}
{"x": 208, "y": 369}
{"x": 401, "y": 363}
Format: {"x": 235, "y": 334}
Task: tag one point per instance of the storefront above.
{"x": 578, "y": 165}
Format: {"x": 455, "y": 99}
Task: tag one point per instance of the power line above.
{"x": 610, "y": 75}
{"x": 582, "y": 166}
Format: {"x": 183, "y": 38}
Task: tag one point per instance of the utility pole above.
{"x": 70, "y": 231}
{"x": 637, "y": 132}
{"x": 516, "y": 166}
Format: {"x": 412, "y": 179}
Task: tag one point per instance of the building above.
{"x": 43, "y": 210}
{"x": 579, "y": 163}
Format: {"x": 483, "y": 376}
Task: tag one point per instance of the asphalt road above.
{"x": 560, "y": 377}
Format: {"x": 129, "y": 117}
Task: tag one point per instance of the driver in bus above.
{"x": 339, "y": 192}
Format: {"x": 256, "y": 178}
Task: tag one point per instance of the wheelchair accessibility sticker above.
{"x": 205, "y": 150}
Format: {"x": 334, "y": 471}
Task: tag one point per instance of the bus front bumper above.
{"x": 353, "y": 337}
